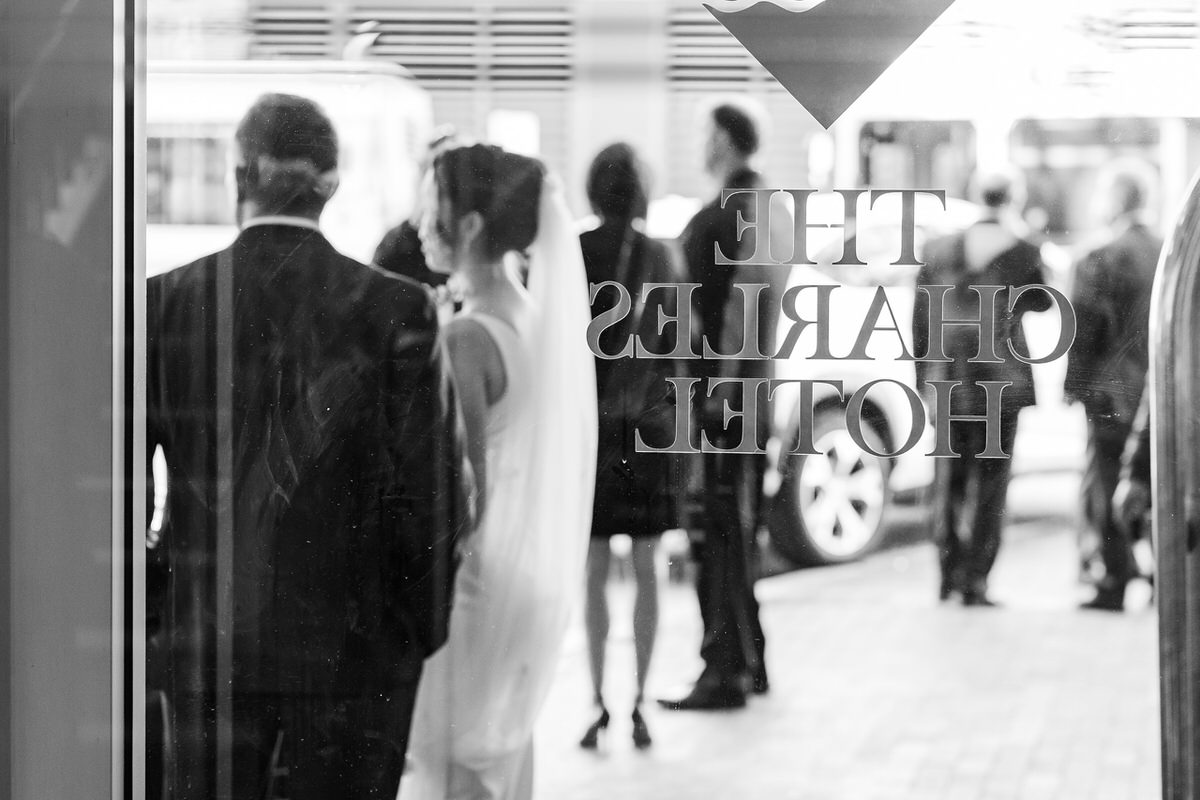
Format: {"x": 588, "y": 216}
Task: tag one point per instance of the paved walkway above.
{"x": 881, "y": 693}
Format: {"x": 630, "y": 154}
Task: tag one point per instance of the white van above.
{"x": 383, "y": 121}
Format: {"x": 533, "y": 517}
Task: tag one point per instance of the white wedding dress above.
{"x": 522, "y": 572}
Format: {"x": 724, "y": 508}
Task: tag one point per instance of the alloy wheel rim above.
{"x": 840, "y": 494}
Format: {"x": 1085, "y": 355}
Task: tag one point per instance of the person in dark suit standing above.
{"x": 1107, "y": 366}
{"x": 733, "y": 648}
{"x": 317, "y": 487}
{"x": 970, "y": 490}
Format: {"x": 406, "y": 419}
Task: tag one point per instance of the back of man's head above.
{"x": 1129, "y": 193}
{"x": 288, "y": 156}
{"x": 740, "y": 126}
{"x": 996, "y": 189}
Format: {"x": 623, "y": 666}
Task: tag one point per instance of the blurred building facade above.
{"x": 563, "y": 78}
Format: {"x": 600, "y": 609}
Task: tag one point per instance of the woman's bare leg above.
{"x": 596, "y": 612}
{"x": 645, "y": 607}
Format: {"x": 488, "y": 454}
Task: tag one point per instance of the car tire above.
{"x": 830, "y": 507}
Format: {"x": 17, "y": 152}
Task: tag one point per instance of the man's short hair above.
{"x": 287, "y": 127}
{"x": 996, "y": 189}
{"x": 616, "y": 186}
{"x": 739, "y": 125}
{"x": 288, "y": 150}
{"x": 1130, "y": 188}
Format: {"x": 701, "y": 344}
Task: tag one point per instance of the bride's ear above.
{"x": 470, "y": 229}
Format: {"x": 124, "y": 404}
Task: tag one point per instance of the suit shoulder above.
{"x": 590, "y": 238}
{"x": 1029, "y": 249}
{"x": 653, "y": 246}
{"x": 939, "y": 252}
{"x": 388, "y": 296}
{"x": 661, "y": 261}
{"x": 187, "y": 275}
{"x": 1101, "y": 261}
{"x": 182, "y": 285}
{"x": 941, "y": 246}
{"x": 1138, "y": 244}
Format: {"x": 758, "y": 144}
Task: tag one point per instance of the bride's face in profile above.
{"x": 439, "y": 255}
{"x": 449, "y": 243}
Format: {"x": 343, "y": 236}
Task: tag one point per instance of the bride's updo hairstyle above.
{"x": 504, "y": 188}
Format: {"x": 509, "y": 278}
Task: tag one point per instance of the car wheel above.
{"x": 829, "y": 509}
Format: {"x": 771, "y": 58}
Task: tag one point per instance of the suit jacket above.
{"x": 316, "y": 485}
{"x": 946, "y": 264}
{"x": 720, "y": 307}
{"x": 1111, "y": 295}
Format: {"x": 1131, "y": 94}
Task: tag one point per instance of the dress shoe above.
{"x": 978, "y": 600}
{"x": 641, "y": 733}
{"x": 707, "y": 698}
{"x": 1106, "y": 600}
{"x": 952, "y": 583}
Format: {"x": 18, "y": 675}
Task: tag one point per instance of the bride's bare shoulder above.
{"x": 475, "y": 356}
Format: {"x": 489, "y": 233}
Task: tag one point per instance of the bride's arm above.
{"x": 475, "y": 362}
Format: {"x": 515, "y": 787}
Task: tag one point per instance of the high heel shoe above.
{"x": 592, "y": 738}
{"x": 641, "y": 734}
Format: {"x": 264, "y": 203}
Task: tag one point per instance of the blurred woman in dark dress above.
{"x": 634, "y": 491}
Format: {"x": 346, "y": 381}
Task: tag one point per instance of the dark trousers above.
{"x": 733, "y": 647}
{"x": 1106, "y": 443}
{"x": 969, "y": 502}
{"x": 353, "y": 750}
{"x": 304, "y": 747}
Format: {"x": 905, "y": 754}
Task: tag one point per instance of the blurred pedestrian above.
{"x": 635, "y": 492}
{"x": 317, "y": 489}
{"x": 1107, "y": 366}
{"x": 400, "y": 251}
{"x": 733, "y": 648}
{"x": 970, "y": 491}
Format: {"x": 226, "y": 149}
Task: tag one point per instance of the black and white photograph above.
{"x": 590, "y": 399}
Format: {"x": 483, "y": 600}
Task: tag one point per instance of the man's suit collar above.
{"x": 281, "y": 219}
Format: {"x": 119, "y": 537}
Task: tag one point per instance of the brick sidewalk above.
{"x": 878, "y": 692}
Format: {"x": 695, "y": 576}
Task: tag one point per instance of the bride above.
{"x": 526, "y": 382}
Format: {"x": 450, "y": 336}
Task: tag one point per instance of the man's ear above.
{"x": 241, "y": 174}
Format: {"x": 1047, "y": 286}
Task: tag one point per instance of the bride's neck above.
{"x": 484, "y": 280}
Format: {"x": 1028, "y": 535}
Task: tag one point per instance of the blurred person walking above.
{"x": 527, "y": 383}
{"x": 1107, "y": 366}
{"x": 635, "y": 492}
{"x": 970, "y": 491}
{"x": 317, "y": 486}
{"x": 734, "y": 646}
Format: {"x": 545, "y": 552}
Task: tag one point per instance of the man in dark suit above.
{"x": 316, "y": 490}
{"x": 734, "y": 645}
{"x": 970, "y": 490}
{"x": 1107, "y": 366}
